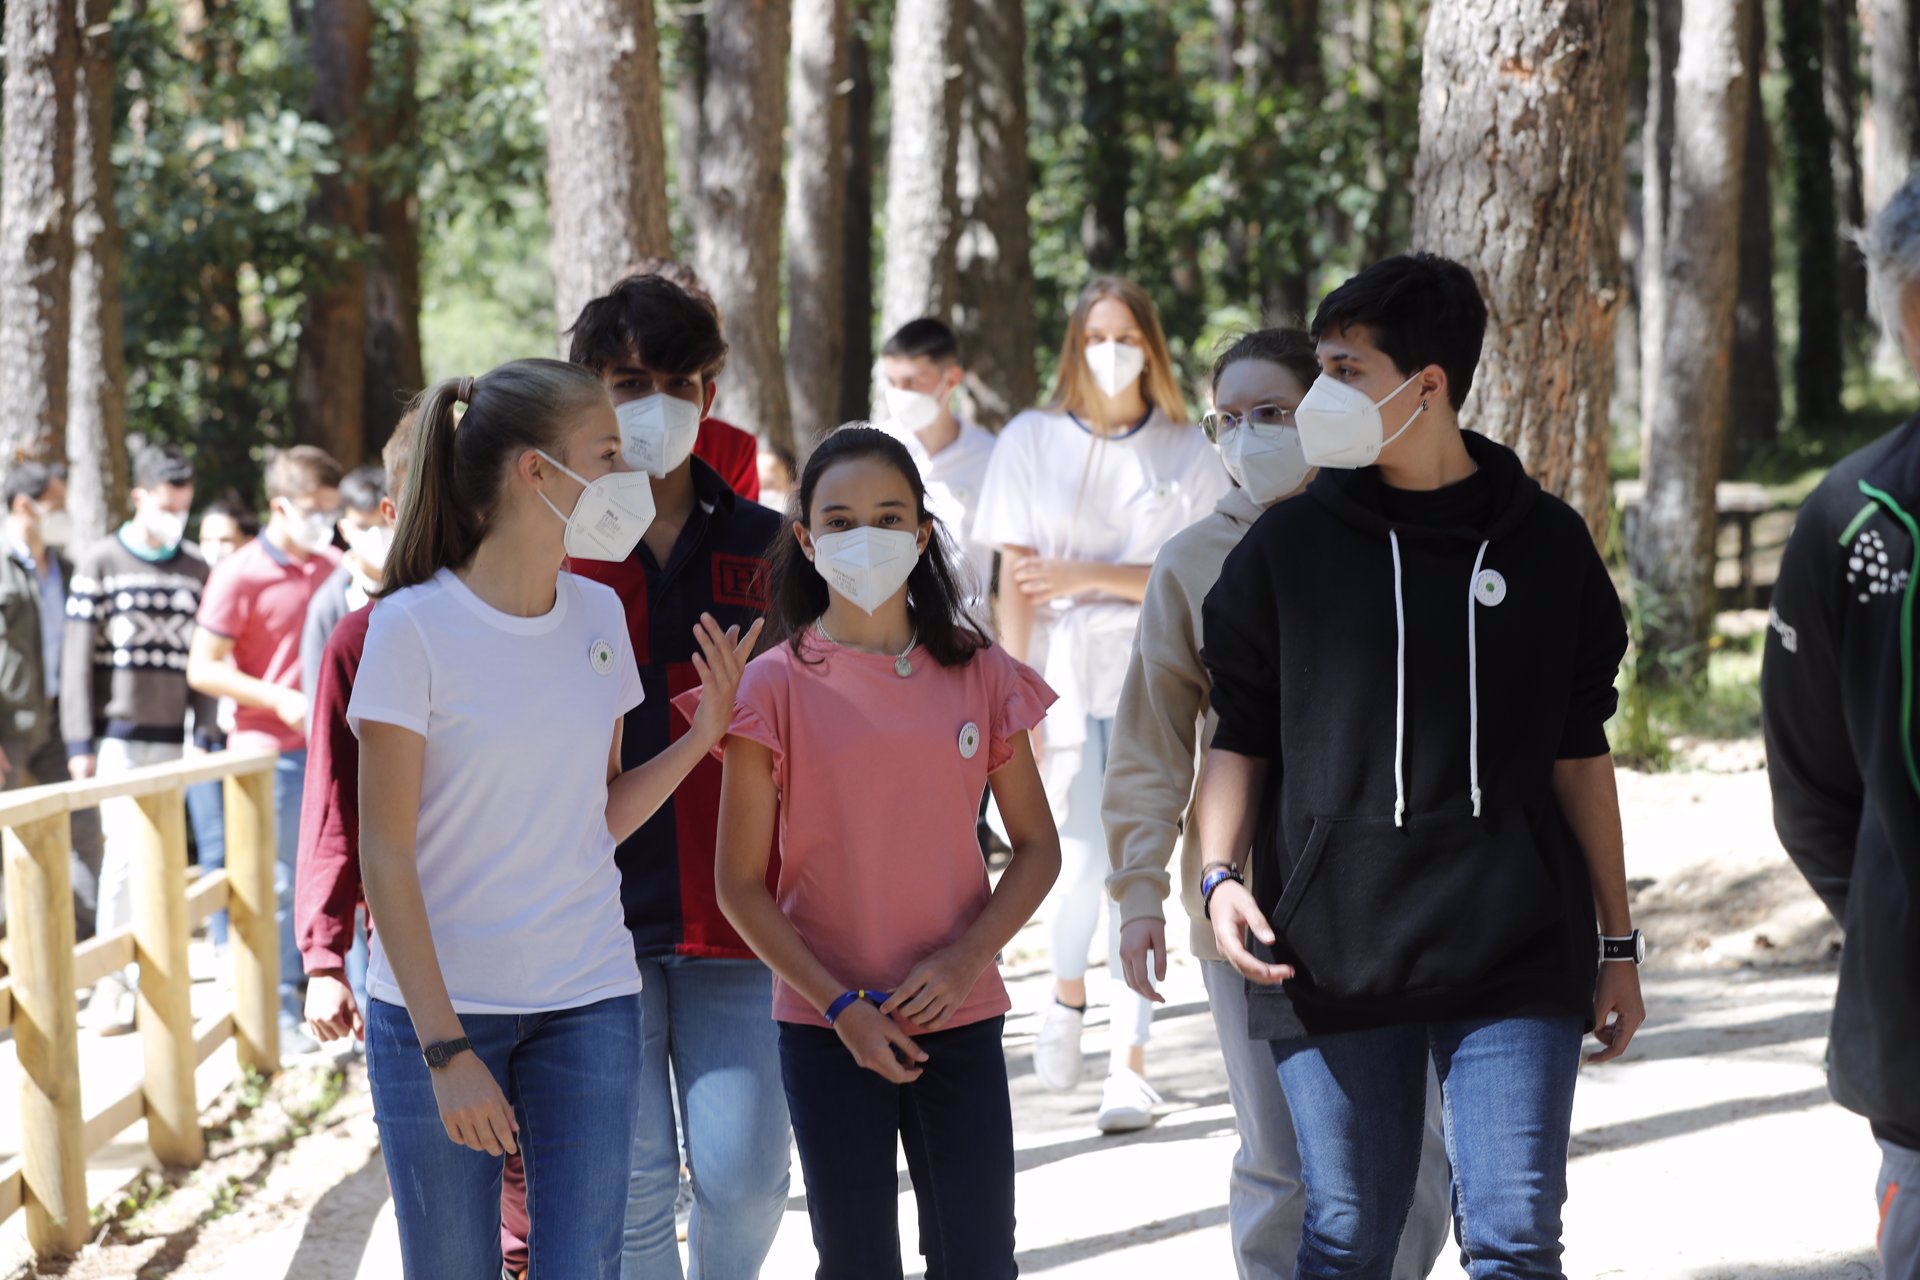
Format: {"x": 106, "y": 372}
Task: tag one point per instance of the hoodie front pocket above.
{"x": 1374, "y": 910}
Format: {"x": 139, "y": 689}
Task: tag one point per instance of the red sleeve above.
{"x": 733, "y": 453}
{"x": 327, "y": 893}
{"x": 225, "y": 603}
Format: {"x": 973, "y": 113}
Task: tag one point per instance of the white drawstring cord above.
{"x": 1473, "y": 680}
{"x": 1400, "y": 690}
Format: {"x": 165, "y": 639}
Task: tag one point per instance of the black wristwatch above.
{"x": 439, "y": 1055}
{"x": 1632, "y": 947}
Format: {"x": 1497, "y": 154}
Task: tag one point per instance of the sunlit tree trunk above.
{"x": 923, "y": 143}
{"x": 97, "y": 363}
{"x": 816, "y": 213}
{"x": 856, "y": 257}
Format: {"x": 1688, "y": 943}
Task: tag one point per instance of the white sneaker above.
{"x": 109, "y": 1010}
{"x": 1056, "y": 1051}
{"x": 1126, "y": 1103}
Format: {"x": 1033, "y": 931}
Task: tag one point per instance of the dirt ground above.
{"x": 1679, "y": 1157}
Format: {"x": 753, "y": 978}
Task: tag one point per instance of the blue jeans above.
{"x": 572, "y": 1078}
{"x": 207, "y": 810}
{"x": 707, "y": 1035}
{"x": 956, "y": 1125}
{"x": 1359, "y": 1101}
{"x": 289, "y": 784}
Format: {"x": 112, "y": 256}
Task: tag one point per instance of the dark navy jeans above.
{"x": 1359, "y": 1104}
{"x": 956, "y": 1124}
{"x": 572, "y": 1077}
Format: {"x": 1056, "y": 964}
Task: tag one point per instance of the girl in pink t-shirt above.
{"x": 867, "y": 738}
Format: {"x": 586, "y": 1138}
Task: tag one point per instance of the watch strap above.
{"x": 1630, "y": 948}
{"x": 439, "y": 1055}
{"x": 1213, "y": 880}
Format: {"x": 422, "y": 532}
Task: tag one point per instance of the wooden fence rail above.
{"x": 39, "y": 998}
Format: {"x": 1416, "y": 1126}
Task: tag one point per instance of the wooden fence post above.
{"x": 45, "y": 1029}
{"x": 166, "y": 989}
{"x": 251, "y": 905}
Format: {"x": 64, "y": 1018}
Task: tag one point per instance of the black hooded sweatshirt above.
{"x": 1840, "y": 698}
{"x": 1411, "y": 665}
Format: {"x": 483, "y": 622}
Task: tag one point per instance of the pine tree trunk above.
{"x": 816, "y": 214}
{"x": 1753, "y": 400}
{"x": 394, "y": 368}
{"x": 1109, "y": 161}
{"x": 1894, "y": 109}
{"x": 1674, "y": 546}
{"x": 36, "y": 226}
{"x": 97, "y": 368}
{"x": 606, "y": 158}
{"x": 1625, "y": 408}
{"x": 856, "y": 258}
{"x": 330, "y": 366}
{"x": 1819, "y": 361}
{"x": 689, "y": 99}
{"x": 922, "y": 155}
{"x": 1288, "y": 297}
{"x": 1663, "y": 56}
{"x": 1841, "y": 85}
{"x": 1540, "y": 88}
{"x": 741, "y": 203}
{"x": 996, "y": 303}
{"x": 208, "y": 50}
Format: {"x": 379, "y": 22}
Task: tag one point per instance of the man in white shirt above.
{"x": 920, "y": 370}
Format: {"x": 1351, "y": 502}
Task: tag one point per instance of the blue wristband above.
{"x": 1213, "y": 880}
{"x": 847, "y": 999}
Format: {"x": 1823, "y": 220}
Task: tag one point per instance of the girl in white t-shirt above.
{"x": 1079, "y": 497}
{"x": 505, "y": 1012}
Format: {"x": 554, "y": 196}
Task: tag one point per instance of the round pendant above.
{"x": 902, "y": 667}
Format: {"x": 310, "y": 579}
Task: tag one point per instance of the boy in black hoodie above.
{"x": 1838, "y": 695}
{"x": 1413, "y": 668}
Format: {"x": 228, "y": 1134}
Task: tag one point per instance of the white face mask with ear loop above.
{"x": 609, "y": 517}
{"x": 913, "y": 410}
{"x": 866, "y": 566}
{"x": 1341, "y": 428}
{"x": 1267, "y": 463}
{"x": 657, "y": 432}
{"x": 1115, "y": 365}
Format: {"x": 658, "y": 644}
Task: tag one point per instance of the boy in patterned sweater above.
{"x": 130, "y": 611}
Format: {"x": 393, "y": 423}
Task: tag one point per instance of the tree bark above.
{"x": 741, "y": 203}
{"x": 1295, "y": 28}
{"x": 394, "y": 368}
{"x": 330, "y": 366}
{"x": 36, "y": 226}
{"x": 922, "y": 154}
{"x": 995, "y": 317}
{"x": 1753, "y": 400}
{"x": 1841, "y": 84}
{"x": 856, "y": 292}
{"x": 1819, "y": 360}
{"x": 1663, "y": 56}
{"x": 1674, "y": 547}
{"x": 816, "y": 214}
{"x": 606, "y": 157}
{"x": 1521, "y": 177}
{"x": 97, "y": 360}
{"x": 1894, "y": 109}
{"x": 1109, "y": 162}
{"x": 689, "y": 99}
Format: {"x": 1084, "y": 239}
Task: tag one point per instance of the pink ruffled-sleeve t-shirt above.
{"x": 880, "y": 780}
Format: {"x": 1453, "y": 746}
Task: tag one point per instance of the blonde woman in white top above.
{"x": 1080, "y": 496}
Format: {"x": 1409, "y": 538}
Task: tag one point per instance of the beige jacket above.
{"x": 1163, "y": 719}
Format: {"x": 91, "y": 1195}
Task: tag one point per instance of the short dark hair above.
{"x": 362, "y": 488}
{"x": 924, "y": 337}
{"x": 681, "y": 274}
{"x": 653, "y": 320}
{"x": 1291, "y": 349}
{"x": 159, "y": 464}
{"x": 1420, "y": 309}
{"x": 30, "y": 480}
{"x": 229, "y": 505}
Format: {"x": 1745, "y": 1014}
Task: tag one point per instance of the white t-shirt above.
{"x": 960, "y": 470}
{"x": 1055, "y": 486}
{"x": 515, "y": 859}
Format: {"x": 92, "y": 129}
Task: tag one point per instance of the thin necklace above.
{"x": 902, "y": 667}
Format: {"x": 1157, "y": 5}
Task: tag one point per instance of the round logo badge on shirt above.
{"x": 1489, "y": 588}
{"x": 969, "y": 741}
{"x": 601, "y": 654}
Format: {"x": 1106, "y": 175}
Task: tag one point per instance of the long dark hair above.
{"x": 797, "y": 594}
{"x": 454, "y": 481}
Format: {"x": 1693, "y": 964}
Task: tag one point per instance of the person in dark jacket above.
{"x": 1413, "y": 666}
{"x": 1843, "y": 755}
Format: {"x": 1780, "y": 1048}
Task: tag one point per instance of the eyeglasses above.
{"x": 1261, "y": 415}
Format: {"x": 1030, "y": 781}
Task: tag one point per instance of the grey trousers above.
{"x": 1899, "y": 1197}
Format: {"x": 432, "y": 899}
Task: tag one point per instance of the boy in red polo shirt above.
{"x": 247, "y": 648}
